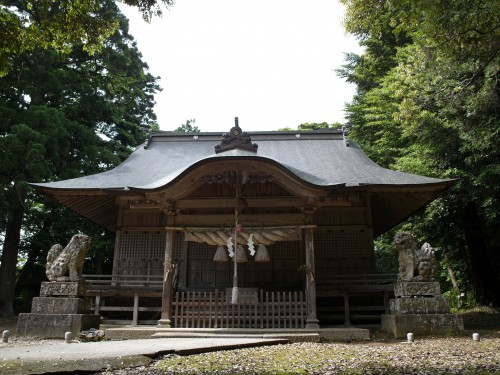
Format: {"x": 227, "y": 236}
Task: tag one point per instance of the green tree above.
{"x": 317, "y": 126}
{"x": 64, "y": 115}
{"x": 432, "y": 107}
{"x": 27, "y": 25}
{"x": 188, "y": 127}
{"x": 307, "y": 126}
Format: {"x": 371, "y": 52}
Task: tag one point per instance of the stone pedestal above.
{"x": 419, "y": 308}
{"x": 61, "y": 307}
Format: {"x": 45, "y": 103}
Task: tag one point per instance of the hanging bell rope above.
{"x": 234, "y": 294}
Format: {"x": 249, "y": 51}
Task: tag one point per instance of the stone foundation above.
{"x": 60, "y": 305}
{"x": 417, "y": 288}
{"x": 420, "y": 309}
{"x": 67, "y": 288}
{"x": 422, "y": 324}
{"x": 61, "y": 308}
{"x": 55, "y": 325}
{"x": 419, "y": 305}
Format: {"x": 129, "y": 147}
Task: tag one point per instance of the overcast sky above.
{"x": 269, "y": 62}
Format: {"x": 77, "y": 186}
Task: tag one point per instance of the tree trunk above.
{"x": 453, "y": 279}
{"x": 8, "y": 267}
{"x": 483, "y": 276}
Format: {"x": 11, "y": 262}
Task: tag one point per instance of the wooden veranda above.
{"x": 135, "y": 300}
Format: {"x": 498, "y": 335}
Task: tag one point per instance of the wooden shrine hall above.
{"x": 248, "y": 230}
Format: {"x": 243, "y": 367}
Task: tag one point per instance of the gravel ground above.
{"x": 453, "y": 355}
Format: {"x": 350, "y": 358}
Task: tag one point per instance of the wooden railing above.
{"x": 130, "y": 289}
{"x": 145, "y": 282}
{"x": 356, "y": 283}
{"x": 253, "y": 310}
{"x": 213, "y": 309}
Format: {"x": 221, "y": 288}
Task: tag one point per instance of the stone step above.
{"x": 295, "y": 335}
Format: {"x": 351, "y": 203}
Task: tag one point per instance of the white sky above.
{"x": 269, "y": 62}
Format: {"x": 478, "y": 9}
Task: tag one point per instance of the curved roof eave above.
{"x": 294, "y": 173}
{"x": 445, "y": 183}
{"x": 316, "y": 163}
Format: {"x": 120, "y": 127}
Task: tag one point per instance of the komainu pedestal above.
{"x": 62, "y": 307}
{"x": 419, "y": 308}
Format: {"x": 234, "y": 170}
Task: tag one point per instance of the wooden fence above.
{"x": 253, "y": 310}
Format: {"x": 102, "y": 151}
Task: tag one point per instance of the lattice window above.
{"x": 157, "y": 245}
{"x": 147, "y": 245}
{"x": 134, "y": 246}
{"x": 200, "y": 250}
{"x": 178, "y": 244}
{"x": 284, "y": 249}
{"x": 143, "y": 253}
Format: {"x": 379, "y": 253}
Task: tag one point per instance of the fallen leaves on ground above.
{"x": 425, "y": 356}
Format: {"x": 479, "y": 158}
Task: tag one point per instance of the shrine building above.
{"x": 263, "y": 229}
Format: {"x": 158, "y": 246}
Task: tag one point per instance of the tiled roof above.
{"x": 320, "y": 158}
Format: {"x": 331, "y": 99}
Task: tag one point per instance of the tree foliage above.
{"x": 64, "y": 116}
{"x": 307, "y": 126}
{"x": 60, "y": 25}
{"x": 427, "y": 102}
{"x": 188, "y": 127}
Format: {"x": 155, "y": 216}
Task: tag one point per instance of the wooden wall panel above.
{"x": 143, "y": 218}
{"x": 340, "y": 216}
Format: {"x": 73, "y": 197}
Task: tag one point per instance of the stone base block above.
{"x": 420, "y": 305}
{"x": 55, "y": 325}
{"x": 60, "y": 305}
{"x": 417, "y": 288}
{"x": 422, "y": 324}
{"x": 63, "y": 288}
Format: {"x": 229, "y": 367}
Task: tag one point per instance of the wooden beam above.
{"x": 216, "y": 202}
{"x": 222, "y": 202}
{"x": 268, "y": 227}
{"x": 337, "y": 228}
{"x": 245, "y": 219}
{"x": 141, "y": 229}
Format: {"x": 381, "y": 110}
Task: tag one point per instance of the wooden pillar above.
{"x": 369, "y": 223}
{"x": 116, "y": 257}
{"x": 135, "y": 313}
{"x": 347, "y": 315}
{"x": 312, "y": 321}
{"x": 118, "y": 245}
{"x": 166, "y": 304}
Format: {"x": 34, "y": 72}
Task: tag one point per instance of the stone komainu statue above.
{"x": 415, "y": 264}
{"x": 67, "y": 264}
